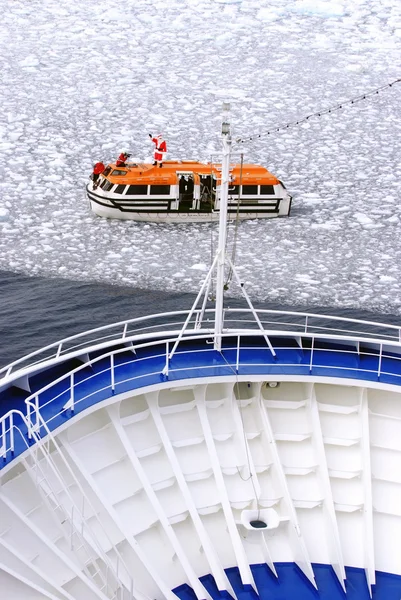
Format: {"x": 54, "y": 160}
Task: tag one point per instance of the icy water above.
{"x": 79, "y": 81}
{"x": 36, "y": 311}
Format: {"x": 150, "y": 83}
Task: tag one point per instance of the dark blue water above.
{"x": 36, "y": 311}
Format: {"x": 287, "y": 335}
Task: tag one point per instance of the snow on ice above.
{"x": 81, "y": 81}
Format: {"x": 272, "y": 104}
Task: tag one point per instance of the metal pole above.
{"x": 225, "y": 174}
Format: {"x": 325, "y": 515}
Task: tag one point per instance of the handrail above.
{"x": 61, "y": 349}
{"x": 32, "y": 401}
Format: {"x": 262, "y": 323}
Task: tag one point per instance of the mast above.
{"x": 225, "y": 175}
{"x": 219, "y": 260}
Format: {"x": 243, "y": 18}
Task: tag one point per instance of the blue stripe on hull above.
{"x": 194, "y": 360}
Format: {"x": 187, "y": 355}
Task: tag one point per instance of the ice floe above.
{"x": 81, "y": 81}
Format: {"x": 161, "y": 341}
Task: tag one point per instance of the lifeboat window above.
{"x": 234, "y": 190}
{"x": 120, "y": 189}
{"x": 118, "y": 172}
{"x": 267, "y": 189}
{"x": 104, "y": 183}
{"x": 106, "y": 171}
{"x": 250, "y": 190}
{"x": 159, "y": 190}
{"x": 108, "y": 185}
{"x": 137, "y": 190}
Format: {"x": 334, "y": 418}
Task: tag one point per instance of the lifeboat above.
{"x": 186, "y": 191}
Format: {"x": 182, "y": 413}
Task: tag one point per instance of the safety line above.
{"x": 319, "y": 113}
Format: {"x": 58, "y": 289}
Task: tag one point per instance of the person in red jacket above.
{"x": 121, "y": 160}
{"x": 160, "y": 149}
{"x": 98, "y": 169}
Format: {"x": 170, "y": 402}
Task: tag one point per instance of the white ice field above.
{"x": 79, "y": 81}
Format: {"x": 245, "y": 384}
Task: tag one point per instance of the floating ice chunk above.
{"x": 328, "y": 225}
{"x": 199, "y": 267}
{"x": 267, "y": 14}
{"x": 4, "y": 214}
{"x": 29, "y": 61}
{"x": 387, "y": 278}
{"x": 305, "y": 278}
{"x": 311, "y": 198}
{"x": 362, "y": 218}
{"x": 114, "y": 14}
{"x": 14, "y": 135}
{"x": 320, "y": 7}
{"x": 58, "y": 162}
{"x": 355, "y": 67}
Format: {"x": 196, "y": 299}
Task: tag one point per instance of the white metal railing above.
{"x": 231, "y": 359}
{"x": 202, "y": 320}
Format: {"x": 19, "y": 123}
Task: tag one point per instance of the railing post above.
{"x": 113, "y": 386}
{"x": 306, "y": 324}
{"x": 72, "y": 392}
{"x": 28, "y": 416}
{"x": 165, "y": 370}
{"x": 3, "y": 439}
{"x": 311, "y": 355}
{"x": 37, "y": 422}
{"x": 380, "y": 361}
{"x": 59, "y": 350}
{"x": 11, "y": 434}
{"x": 238, "y": 347}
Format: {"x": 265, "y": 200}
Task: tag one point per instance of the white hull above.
{"x": 181, "y": 217}
{"x": 150, "y": 485}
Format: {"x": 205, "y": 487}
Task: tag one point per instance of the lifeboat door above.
{"x": 188, "y": 188}
{"x": 207, "y": 191}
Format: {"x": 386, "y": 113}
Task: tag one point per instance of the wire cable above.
{"x": 319, "y": 113}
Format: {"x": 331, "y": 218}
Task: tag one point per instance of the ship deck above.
{"x": 319, "y": 394}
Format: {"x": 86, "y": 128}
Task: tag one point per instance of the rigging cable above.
{"x": 212, "y": 294}
{"x": 245, "y": 441}
{"x": 320, "y": 113}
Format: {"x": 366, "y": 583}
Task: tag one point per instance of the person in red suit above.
{"x": 97, "y": 171}
{"x": 160, "y": 149}
{"x": 121, "y": 160}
